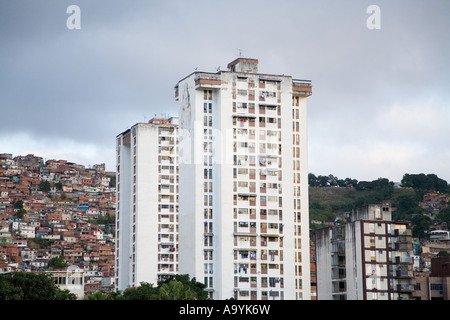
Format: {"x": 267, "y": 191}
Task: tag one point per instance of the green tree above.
{"x": 43, "y": 243}
{"x": 57, "y": 263}
{"x": 176, "y": 290}
{"x": 421, "y": 225}
{"x": 45, "y": 186}
{"x": 99, "y": 296}
{"x": 197, "y": 287}
{"x": 406, "y": 205}
{"x": 19, "y": 214}
{"x": 18, "y": 204}
{"x": 425, "y": 182}
{"x": 112, "y": 181}
{"x": 106, "y": 219}
{"x": 444, "y": 216}
{"x": 312, "y": 180}
{"x": 146, "y": 291}
{"x": 31, "y": 286}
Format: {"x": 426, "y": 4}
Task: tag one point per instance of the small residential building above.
{"x": 436, "y": 286}
{"x": 369, "y": 258}
{"x": 439, "y": 235}
{"x": 72, "y": 279}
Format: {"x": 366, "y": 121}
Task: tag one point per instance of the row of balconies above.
{"x": 167, "y": 218}
{"x": 272, "y": 241}
{"x": 246, "y": 214}
{"x": 246, "y": 121}
{"x": 271, "y": 175}
{"x": 166, "y": 180}
{"x": 252, "y": 189}
{"x": 263, "y": 109}
{"x": 270, "y": 269}
{"x": 166, "y": 172}
{"x": 263, "y": 230}
{"x": 273, "y": 283}
{"x": 262, "y": 258}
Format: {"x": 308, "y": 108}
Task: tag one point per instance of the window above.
{"x": 207, "y": 94}
{"x": 436, "y": 286}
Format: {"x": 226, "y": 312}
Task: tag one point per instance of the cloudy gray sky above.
{"x": 381, "y": 98}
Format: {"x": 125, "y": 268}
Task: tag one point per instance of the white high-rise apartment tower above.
{"x": 243, "y": 188}
{"x": 147, "y": 203}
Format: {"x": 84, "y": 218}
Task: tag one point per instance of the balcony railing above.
{"x": 302, "y": 87}
{"x": 405, "y": 288}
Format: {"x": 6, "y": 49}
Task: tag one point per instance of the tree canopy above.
{"x": 425, "y": 182}
{"x": 177, "y": 287}
{"x": 31, "y": 286}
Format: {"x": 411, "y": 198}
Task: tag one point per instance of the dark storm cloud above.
{"x": 83, "y": 87}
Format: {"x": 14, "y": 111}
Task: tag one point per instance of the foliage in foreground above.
{"x": 31, "y": 286}
{"x": 178, "y": 287}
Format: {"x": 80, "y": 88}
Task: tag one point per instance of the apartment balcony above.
{"x": 166, "y": 258}
{"x": 273, "y": 272}
{"x": 243, "y": 190}
{"x": 166, "y": 172}
{"x": 338, "y": 249}
{"x": 403, "y": 232}
{"x": 166, "y": 161}
{"x": 243, "y": 285}
{"x": 339, "y": 287}
{"x": 165, "y": 201}
{"x": 403, "y": 274}
{"x": 167, "y": 152}
{"x": 166, "y": 210}
{"x": 272, "y": 218}
{"x": 301, "y": 87}
{"x": 398, "y": 246}
{"x": 271, "y": 112}
{"x": 166, "y": 270}
{"x": 165, "y": 181}
{"x": 245, "y": 231}
{"x": 245, "y": 255}
{"x": 242, "y": 111}
{"x": 245, "y": 203}
{"x": 271, "y": 204}
{"x": 166, "y": 220}
{"x": 403, "y": 260}
{"x": 244, "y": 240}
{"x": 275, "y": 258}
{"x": 270, "y": 244}
{"x": 271, "y": 125}
{"x": 166, "y": 143}
{"x": 207, "y": 80}
{"x": 166, "y": 229}
{"x": 405, "y": 288}
{"x": 167, "y": 247}
{"x": 338, "y": 274}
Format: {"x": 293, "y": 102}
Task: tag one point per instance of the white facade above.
{"x": 147, "y": 203}
{"x": 71, "y": 279}
{"x": 244, "y": 225}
